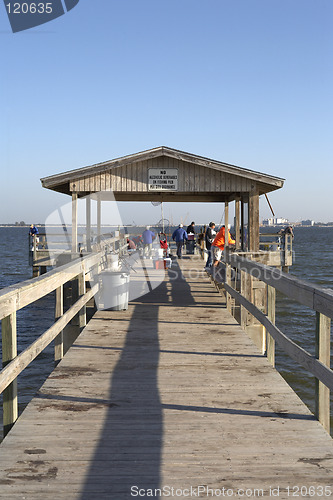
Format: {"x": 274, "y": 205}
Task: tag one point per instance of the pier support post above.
{"x": 99, "y": 218}
{"x": 35, "y": 271}
{"x": 242, "y": 228}
{"x": 228, "y": 282}
{"x": 9, "y": 352}
{"x": 73, "y": 293}
{"x": 59, "y": 340}
{"x": 74, "y": 222}
{"x": 253, "y": 230}
{"x": 88, "y": 222}
{"x": 271, "y": 293}
{"x": 237, "y": 223}
{"x": 323, "y": 353}
{"x": 226, "y": 254}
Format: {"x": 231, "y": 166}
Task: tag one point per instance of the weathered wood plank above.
{"x": 108, "y": 180}
{"x": 323, "y": 353}
{"x": 271, "y": 298}
{"x": 103, "y": 181}
{"x": 59, "y": 310}
{"x": 9, "y": 352}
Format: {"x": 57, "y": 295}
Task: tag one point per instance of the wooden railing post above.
{"x": 59, "y": 311}
{"x": 73, "y": 329}
{"x": 228, "y": 282}
{"x": 237, "y": 223}
{"x": 34, "y": 247}
{"x": 242, "y": 291}
{"x": 323, "y": 353}
{"x": 271, "y": 294}
{"x": 35, "y": 267}
{"x": 82, "y": 291}
{"x": 9, "y": 352}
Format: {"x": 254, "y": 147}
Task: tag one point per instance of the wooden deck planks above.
{"x": 172, "y": 393}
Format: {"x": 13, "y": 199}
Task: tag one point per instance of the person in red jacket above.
{"x": 219, "y": 243}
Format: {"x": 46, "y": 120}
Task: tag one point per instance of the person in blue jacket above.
{"x": 33, "y": 230}
{"x": 147, "y": 237}
{"x": 179, "y": 235}
{"x": 33, "y": 233}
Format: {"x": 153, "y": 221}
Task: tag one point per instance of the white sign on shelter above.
{"x": 160, "y": 179}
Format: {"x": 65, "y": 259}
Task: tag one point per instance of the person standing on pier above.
{"x": 190, "y": 229}
{"x": 218, "y": 246}
{"x": 209, "y": 238}
{"x": 190, "y": 244}
{"x": 33, "y": 230}
{"x": 179, "y": 235}
{"x": 148, "y": 237}
{"x": 33, "y": 233}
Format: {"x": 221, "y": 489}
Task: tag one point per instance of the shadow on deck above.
{"x": 130, "y": 447}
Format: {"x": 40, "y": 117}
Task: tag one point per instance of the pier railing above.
{"x": 277, "y": 243}
{"x": 46, "y": 249}
{"x": 243, "y": 280}
{"x": 71, "y": 297}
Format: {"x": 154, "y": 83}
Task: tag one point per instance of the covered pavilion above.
{"x": 168, "y": 175}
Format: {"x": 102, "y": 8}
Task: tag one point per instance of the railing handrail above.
{"x": 20, "y": 362}
{"x": 15, "y": 297}
{"x": 318, "y": 369}
{"x": 313, "y": 296}
{"x": 271, "y": 235}
{"x": 318, "y": 298}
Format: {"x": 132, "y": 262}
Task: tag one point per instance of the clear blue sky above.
{"x": 248, "y": 82}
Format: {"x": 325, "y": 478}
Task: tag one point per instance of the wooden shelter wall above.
{"x": 134, "y": 178}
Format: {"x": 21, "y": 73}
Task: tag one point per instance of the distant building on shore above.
{"x": 275, "y": 221}
{"x": 307, "y": 222}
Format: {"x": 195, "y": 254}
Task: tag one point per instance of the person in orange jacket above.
{"x": 218, "y": 245}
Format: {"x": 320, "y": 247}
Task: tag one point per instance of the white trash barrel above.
{"x": 114, "y": 288}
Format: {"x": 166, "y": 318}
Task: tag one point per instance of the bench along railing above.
{"x": 317, "y": 298}
{"x": 15, "y": 297}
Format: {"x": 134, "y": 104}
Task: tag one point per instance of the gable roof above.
{"x": 61, "y": 182}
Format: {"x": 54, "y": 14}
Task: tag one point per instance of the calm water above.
{"x": 32, "y": 320}
{"x": 313, "y": 261}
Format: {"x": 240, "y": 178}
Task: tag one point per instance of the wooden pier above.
{"x": 173, "y": 394}
{"x": 170, "y": 393}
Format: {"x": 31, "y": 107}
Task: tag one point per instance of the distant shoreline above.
{"x": 280, "y": 226}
